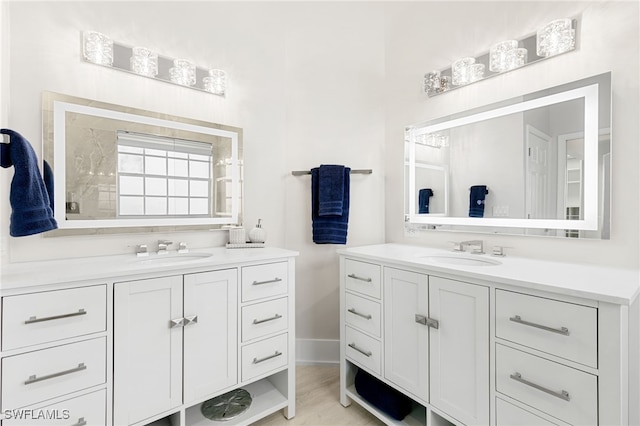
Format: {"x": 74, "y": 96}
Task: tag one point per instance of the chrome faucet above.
{"x": 163, "y": 245}
{"x": 477, "y": 245}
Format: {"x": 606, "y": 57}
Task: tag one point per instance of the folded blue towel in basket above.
{"x": 31, "y": 211}
{"x": 330, "y": 228}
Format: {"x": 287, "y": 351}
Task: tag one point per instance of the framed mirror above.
{"x": 120, "y": 169}
{"x": 538, "y": 164}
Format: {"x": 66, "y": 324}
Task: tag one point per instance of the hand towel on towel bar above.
{"x": 476, "y": 200}
{"x": 30, "y": 206}
{"x": 329, "y": 229}
{"x": 423, "y": 200}
{"x": 330, "y": 189}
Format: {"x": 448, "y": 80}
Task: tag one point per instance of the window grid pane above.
{"x": 174, "y": 198}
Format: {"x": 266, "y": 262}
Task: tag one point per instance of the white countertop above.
{"x": 29, "y": 274}
{"x": 605, "y": 284}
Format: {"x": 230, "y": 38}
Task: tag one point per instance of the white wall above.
{"x": 421, "y": 36}
{"x": 305, "y": 86}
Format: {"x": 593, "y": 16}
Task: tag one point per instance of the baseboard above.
{"x": 317, "y": 351}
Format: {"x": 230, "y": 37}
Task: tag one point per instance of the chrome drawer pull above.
{"x": 355, "y": 277}
{"x": 562, "y": 394}
{"x": 429, "y": 322}
{"x": 275, "y": 317}
{"x": 275, "y": 280}
{"x": 363, "y": 352}
{"x": 81, "y": 422}
{"x": 189, "y": 320}
{"x": 354, "y": 312}
{"x": 178, "y": 322}
{"x": 258, "y": 361}
{"x": 32, "y": 320}
{"x": 34, "y": 378}
{"x": 562, "y": 330}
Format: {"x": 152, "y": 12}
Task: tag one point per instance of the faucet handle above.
{"x": 141, "y": 250}
{"x": 182, "y": 248}
{"x": 499, "y": 251}
{"x": 457, "y": 246}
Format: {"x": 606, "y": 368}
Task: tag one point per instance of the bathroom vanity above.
{"x": 483, "y": 340}
{"x": 126, "y": 340}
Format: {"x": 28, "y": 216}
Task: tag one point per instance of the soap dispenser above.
{"x": 258, "y": 234}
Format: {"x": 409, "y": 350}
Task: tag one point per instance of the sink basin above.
{"x": 167, "y": 259}
{"x": 461, "y": 260}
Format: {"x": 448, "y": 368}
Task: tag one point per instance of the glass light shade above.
{"x": 183, "y": 72}
{"x": 500, "y": 54}
{"x": 97, "y": 48}
{"x": 432, "y": 82}
{"x": 215, "y": 82}
{"x": 144, "y": 62}
{"x": 476, "y": 72}
{"x": 556, "y": 37}
{"x": 461, "y": 71}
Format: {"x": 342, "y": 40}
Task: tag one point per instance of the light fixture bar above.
{"x": 556, "y": 37}
{"x": 99, "y": 49}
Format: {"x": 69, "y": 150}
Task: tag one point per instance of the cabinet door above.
{"x": 459, "y": 360}
{"x": 210, "y": 342}
{"x": 147, "y": 348}
{"x": 406, "y": 341}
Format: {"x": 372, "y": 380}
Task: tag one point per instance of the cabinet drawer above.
{"x": 508, "y": 414}
{"x": 89, "y": 410}
{"x": 35, "y": 318}
{"x": 563, "y": 329}
{"x": 264, "y": 356}
{"x": 362, "y": 277}
{"x": 540, "y": 384}
{"x": 363, "y": 350}
{"x": 262, "y": 281}
{"x": 58, "y": 371}
{"x": 264, "y": 318}
{"x": 362, "y": 314}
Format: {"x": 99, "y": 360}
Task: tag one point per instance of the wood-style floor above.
{"x": 318, "y": 401}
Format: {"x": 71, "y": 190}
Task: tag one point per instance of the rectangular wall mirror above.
{"x": 120, "y": 169}
{"x": 535, "y": 165}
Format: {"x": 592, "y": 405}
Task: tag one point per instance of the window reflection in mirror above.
{"x": 117, "y": 168}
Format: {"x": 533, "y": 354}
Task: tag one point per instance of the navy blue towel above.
{"x": 331, "y": 190}
{"x": 382, "y": 396}
{"x": 31, "y": 211}
{"x": 476, "y": 200}
{"x": 329, "y": 229}
{"x": 423, "y": 200}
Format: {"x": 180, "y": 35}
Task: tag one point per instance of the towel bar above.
{"x": 355, "y": 171}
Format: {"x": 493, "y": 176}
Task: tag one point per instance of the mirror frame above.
{"x": 55, "y": 107}
{"x": 591, "y": 133}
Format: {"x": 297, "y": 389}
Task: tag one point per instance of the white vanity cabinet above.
{"x": 119, "y": 341}
{"x": 527, "y": 343}
{"x": 445, "y": 367}
{"x": 54, "y": 346}
{"x": 175, "y": 340}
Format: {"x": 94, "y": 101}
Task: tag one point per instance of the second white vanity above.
{"x": 123, "y": 340}
{"x": 482, "y": 340}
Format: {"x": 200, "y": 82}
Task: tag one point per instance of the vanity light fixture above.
{"x": 506, "y": 55}
{"x": 556, "y": 37}
{"x": 433, "y": 140}
{"x": 99, "y": 49}
{"x": 144, "y": 62}
{"x": 183, "y": 72}
{"x": 215, "y": 82}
